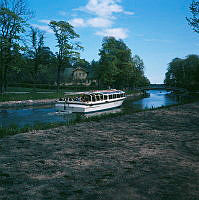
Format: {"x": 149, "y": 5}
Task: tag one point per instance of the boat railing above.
{"x": 92, "y": 98}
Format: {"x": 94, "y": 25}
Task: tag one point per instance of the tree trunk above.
{"x": 1, "y": 80}
{"x": 5, "y": 60}
{"x": 58, "y": 77}
{"x": 1, "y": 69}
{"x": 4, "y": 85}
{"x": 1, "y": 83}
{"x": 35, "y": 75}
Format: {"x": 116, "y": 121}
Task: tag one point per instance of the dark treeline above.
{"x": 183, "y": 72}
{"x": 25, "y": 59}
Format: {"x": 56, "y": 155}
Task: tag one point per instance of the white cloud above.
{"x": 118, "y": 33}
{"x": 43, "y": 28}
{"x": 103, "y": 8}
{"x": 62, "y": 13}
{"x": 78, "y": 22}
{"x": 96, "y": 22}
{"x": 99, "y": 22}
{"x": 129, "y": 13}
{"x": 103, "y": 12}
{"x": 45, "y": 21}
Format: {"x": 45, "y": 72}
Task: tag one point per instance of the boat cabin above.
{"x": 95, "y": 96}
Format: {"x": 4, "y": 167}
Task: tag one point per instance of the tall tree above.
{"x": 114, "y": 63}
{"x": 116, "y": 66}
{"x": 67, "y": 48}
{"x": 138, "y": 71}
{"x": 36, "y": 52}
{"x": 194, "y": 20}
{"x": 13, "y": 18}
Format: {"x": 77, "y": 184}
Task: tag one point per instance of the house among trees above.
{"x": 77, "y": 76}
{"x": 80, "y": 74}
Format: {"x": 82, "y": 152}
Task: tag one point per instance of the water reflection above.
{"x": 116, "y": 110}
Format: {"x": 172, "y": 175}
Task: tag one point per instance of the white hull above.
{"x": 88, "y": 107}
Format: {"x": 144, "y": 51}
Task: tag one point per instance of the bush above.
{"x": 54, "y": 87}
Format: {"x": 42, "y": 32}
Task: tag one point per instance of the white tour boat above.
{"x": 92, "y": 101}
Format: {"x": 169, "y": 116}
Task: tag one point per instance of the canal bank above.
{"x": 24, "y": 103}
{"x": 147, "y": 155}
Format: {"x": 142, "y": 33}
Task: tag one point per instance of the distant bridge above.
{"x": 162, "y": 87}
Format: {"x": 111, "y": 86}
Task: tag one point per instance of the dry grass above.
{"x": 148, "y": 155}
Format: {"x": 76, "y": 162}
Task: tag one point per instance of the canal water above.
{"x": 47, "y": 114}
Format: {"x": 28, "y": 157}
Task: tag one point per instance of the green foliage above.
{"x": 51, "y": 87}
{"x": 36, "y": 52}
{"x": 13, "y": 15}
{"x": 67, "y": 49}
{"x": 183, "y": 72}
{"x": 116, "y": 67}
{"x": 194, "y": 20}
{"x": 78, "y": 62}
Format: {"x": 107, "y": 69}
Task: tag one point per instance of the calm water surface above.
{"x": 155, "y": 99}
{"x": 48, "y": 114}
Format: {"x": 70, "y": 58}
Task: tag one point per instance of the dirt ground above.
{"x": 152, "y": 155}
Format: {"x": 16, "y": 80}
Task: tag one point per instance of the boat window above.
{"x": 101, "y": 97}
{"x": 97, "y": 97}
{"x": 105, "y": 97}
{"x": 86, "y": 98}
{"x": 114, "y": 96}
{"x": 110, "y": 96}
{"x": 93, "y": 98}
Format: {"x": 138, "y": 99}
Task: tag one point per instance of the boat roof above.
{"x": 111, "y": 91}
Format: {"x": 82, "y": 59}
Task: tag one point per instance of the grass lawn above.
{"x": 32, "y": 95}
{"x": 29, "y": 96}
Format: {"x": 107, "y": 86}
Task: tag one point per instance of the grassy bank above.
{"x": 29, "y": 96}
{"x": 14, "y": 129}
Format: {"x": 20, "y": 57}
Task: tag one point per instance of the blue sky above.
{"x": 155, "y": 30}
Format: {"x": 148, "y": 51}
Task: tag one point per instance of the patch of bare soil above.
{"x": 149, "y": 155}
